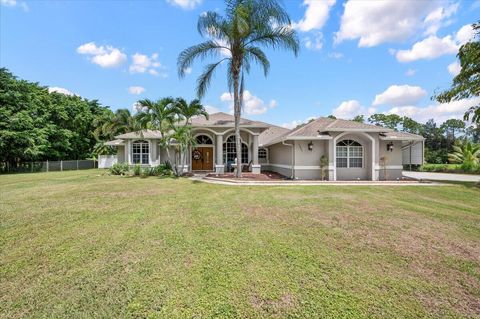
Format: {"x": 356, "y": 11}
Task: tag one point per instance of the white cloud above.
{"x": 335, "y": 55}
{"x": 136, "y": 90}
{"x": 60, "y": 90}
{"x": 438, "y": 18}
{"x": 350, "y": 109}
{"x": 376, "y": 22}
{"x": 185, "y": 4}
{"x": 252, "y": 105}
{"x": 211, "y": 109}
{"x": 295, "y": 123}
{"x": 315, "y": 42}
{"x": 315, "y": 16}
{"x": 439, "y": 112}
{"x": 465, "y": 34}
{"x": 400, "y": 95}
{"x": 104, "y": 56}
{"x": 433, "y": 46}
{"x": 429, "y": 48}
{"x": 454, "y": 68}
{"x": 410, "y": 72}
{"x": 187, "y": 70}
{"x": 142, "y": 63}
{"x": 13, "y": 3}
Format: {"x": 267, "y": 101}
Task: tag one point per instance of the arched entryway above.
{"x": 202, "y": 153}
{"x": 230, "y": 152}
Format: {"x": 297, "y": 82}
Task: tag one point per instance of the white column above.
{"x": 128, "y": 152}
{"x": 332, "y": 176}
{"x": 219, "y": 167}
{"x": 256, "y": 168}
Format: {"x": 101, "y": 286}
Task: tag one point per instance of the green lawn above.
{"x": 84, "y": 244}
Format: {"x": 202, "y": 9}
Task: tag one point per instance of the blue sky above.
{"x": 357, "y": 57}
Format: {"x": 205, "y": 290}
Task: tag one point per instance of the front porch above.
{"x": 216, "y": 151}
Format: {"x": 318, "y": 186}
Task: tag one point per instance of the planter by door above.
{"x": 202, "y": 159}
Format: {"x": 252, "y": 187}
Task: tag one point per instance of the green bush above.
{"x": 119, "y": 169}
{"x": 449, "y": 168}
{"x": 137, "y": 170}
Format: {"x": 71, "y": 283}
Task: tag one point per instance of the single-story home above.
{"x": 350, "y": 150}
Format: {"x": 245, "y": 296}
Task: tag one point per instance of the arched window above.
{"x": 140, "y": 152}
{"x": 204, "y": 140}
{"x": 262, "y": 153}
{"x": 230, "y": 152}
{"x": 349, "y": 154}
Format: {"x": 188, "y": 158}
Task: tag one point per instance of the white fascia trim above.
{"x": 307, "y": 138}
{"x": 394, "y": 138}
{"x": 377, "y": 167}
{"x": 369, "y": 130}
{"x": 281, "y": 165}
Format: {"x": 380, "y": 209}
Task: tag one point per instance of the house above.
{"x": 355, "y": 151}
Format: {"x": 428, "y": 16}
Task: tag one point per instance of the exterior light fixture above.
{"x": 390, "y": 147}
{"x": 310, "y": 146}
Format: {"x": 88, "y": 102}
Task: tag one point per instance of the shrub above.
{"x": 137, "y": 169}
{"x": 167, "y": 165}
{"x": 145, "y": 172}
{"x": 119, "y": 169}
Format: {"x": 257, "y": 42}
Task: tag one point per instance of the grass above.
{"x": 82, "y": 245}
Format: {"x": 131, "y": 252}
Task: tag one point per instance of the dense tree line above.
{"x": 36, "y": 125}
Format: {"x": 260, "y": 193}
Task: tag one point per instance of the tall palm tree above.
{"x": 158, "y": 115}
{"x": 237, "y": 37}
{"x": 188, "y": 110}
{"x": 467, "y": 154}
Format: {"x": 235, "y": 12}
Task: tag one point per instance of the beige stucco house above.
{"x": 355, "y": 151}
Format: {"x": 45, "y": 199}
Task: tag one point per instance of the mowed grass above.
{"x": 87, "y": 245}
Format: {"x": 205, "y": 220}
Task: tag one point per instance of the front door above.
{"x": 202, "y": 159}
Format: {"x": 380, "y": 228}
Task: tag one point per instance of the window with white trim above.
{"x": 204, "y": 140}
{"x": 230, "y": 151}
{"x": 349, "y": 154}
{"x": 262, "y": 153}
{"x": 140, "y": 152}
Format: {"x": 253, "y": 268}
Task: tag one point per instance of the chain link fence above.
{"x": 47, "y": 166}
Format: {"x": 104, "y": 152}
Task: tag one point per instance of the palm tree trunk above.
{"x": 237, "y": 113}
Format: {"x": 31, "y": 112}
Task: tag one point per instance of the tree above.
{"x": 467, "y": 83}
{"x": 467, "y": 154}
{"x": 120, "y": 122}
{"x": 391, "y": 121}
{"x": 183, "y": 140}
{"x": 411, "y": 126}
{"x": 238, "y": 36}
{"x": 451, "y": 126}
{"x": 189, "y": 110}
{"x": 36, "y": 125}
{"x": 159, "y": 115}
{"x": 359, "y": 118}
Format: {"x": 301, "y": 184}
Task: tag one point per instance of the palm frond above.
{"x": 204, "y": 80}
{"x": 259, "y": 57}
{"x": 283, "y": 37}
{"x": 203, "y": 50}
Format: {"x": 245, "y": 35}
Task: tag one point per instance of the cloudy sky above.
{"x": 357, "y": 57}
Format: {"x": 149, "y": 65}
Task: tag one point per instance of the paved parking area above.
{"x": 442, "y": 176}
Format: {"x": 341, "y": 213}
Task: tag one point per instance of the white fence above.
{"x": 47, "y": 166}
{"x": 106, "y": 161}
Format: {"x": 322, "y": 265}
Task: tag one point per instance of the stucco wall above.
{"x": 121, "y": 154}
{"x": 280, "y": 159}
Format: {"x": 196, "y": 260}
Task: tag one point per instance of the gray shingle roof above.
{"x": 401, "y": 136}
{"x": 115, "y": 142}
{"x": 272, "y": 133}
{"x": 224, "y": 120}
{"x": 140, "y": 134}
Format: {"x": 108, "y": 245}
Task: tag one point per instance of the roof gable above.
{"x": 222, "y": 119}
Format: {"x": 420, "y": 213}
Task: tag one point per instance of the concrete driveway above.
{"x": 442, "y": 176}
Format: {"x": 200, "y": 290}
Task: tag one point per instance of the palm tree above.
{"x": 238, "y": 36}
{"x": 158, "y": 115}
{"x": 184, "y": 139}
{"x": 122, "y": 121}
{"x": 189, "y": 110}
{"x": 467, "y": 154}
